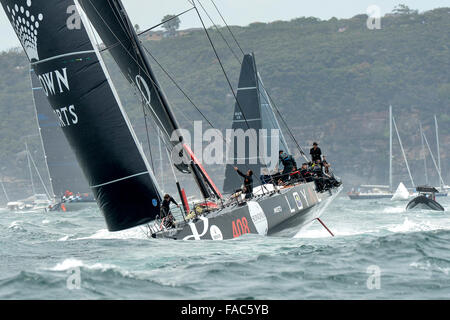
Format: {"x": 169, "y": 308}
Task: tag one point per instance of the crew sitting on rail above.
{"x": 326, "y": 166}
{"x": 305, "y": 173}
{"x": 165, "y": 214}
{"x": 295, "y": 175}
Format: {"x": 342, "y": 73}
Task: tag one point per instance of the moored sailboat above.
{"x": 382, "y": 192}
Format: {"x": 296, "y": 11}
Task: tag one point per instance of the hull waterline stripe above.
{"x": 63, "y": 55}
{"x": 117, "y": 180}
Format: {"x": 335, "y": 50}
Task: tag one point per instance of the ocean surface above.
{"x": 379, "y": 251}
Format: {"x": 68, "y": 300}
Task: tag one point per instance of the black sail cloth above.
{"x": 65, "y": 173}
{"x": 80, "y": 92}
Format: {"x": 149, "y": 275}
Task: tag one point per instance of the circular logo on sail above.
{"x": 154, "y": 202}
{"x": 258, "y": 217}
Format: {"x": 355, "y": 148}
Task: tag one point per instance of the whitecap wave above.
{"x": 72, "y": 263}
{"x": 16, "y": 225}
{"x": 394, "y": 209}
{"x": 427, "y": 266}
{"x": 134, "y": 233}
{"x": 65, "y": 238}
{"x": 412, "y": 226}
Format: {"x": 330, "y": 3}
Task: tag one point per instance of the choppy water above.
{"x": 41, "y": 255}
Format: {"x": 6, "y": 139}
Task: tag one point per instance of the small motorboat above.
{"x": 425, "y": 200}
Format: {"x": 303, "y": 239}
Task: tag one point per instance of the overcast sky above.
{"x": 147, "y": 13}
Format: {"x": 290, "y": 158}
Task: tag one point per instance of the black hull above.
{"x": 277, "y": 214}
{"x": 422, "y": 202}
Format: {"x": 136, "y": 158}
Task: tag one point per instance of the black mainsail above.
{"x": 64, "y": 171}
{"x": 253, "y": 110}
{"x": 81, "y": 94}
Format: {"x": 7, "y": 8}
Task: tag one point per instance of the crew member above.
{"x": 304, "y": 172}
{"x": 165, "y": 214}
{"x": 288, "y": 164}
{"x": 316, "y": 153}
{"x": 295, "y": 175}
{"x": 248, "y": 182}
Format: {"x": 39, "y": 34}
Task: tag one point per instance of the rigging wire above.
{"x": 127, "y": 51}
{"x": 222, "y": 67}
{"x": 240, "y": 63}
{"x": 145, "y": 116}
{"x": 177, "y": 85}
{"x": 154, "y": 83}
{"x": 269, "y": 96}
{"x": 165, "y": 21}
{"x": 232, "y": 34}
{"x": 220, "y": 33}
{"x": 171, "y": 78}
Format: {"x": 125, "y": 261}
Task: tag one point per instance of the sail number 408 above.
{"x": 240, "y": 227}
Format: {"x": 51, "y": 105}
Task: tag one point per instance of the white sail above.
{"x": 401, "y": 193}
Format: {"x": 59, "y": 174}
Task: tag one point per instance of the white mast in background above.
{"x": 390, "y": 148}
{"x": 424, "y": 154}
{"x": 438, "y": 153}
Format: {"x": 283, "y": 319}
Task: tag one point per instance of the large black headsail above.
{"x": 254, "y": 123}
{"x": 65, "y": 173}
{"x": 88, "y": 109}
{"x": 114, "y": 27}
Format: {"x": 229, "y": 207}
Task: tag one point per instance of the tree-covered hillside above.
{"x": 333, "y": 81}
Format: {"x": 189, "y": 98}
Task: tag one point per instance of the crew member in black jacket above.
{"x": 248, "y": 182}
{"x": 316, "y": 153}
{"x": 165, "y": 214}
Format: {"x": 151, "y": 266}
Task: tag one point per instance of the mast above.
{"x": 403, "y": 152}
{"x": 390, "y": 149}
{"x": 34, "y": 81}
{"x": 424, "y": 154}
{"x": 432, "y": 158}
{"x": 438, "y": 152}
{"x": 40, "y": 177}
{"x": 29, "y": 168}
